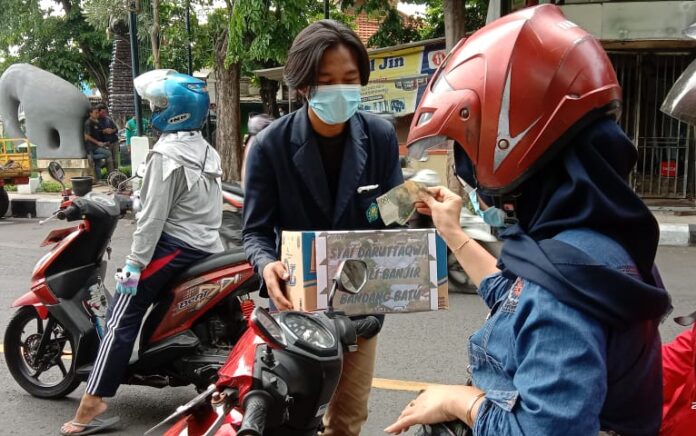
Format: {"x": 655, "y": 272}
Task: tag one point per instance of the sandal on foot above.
{"x": 94, "y": 426}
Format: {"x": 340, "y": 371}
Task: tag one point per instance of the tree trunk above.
{"x": 228, "y": 139}
{"x": 269, "y": 91}
{"x": 155, "y": 34}
{"x": 455, "y": 29}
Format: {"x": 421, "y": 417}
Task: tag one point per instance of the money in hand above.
{"x": 399, "y": 204}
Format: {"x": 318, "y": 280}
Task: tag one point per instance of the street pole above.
{"x": 188, "y": 32}
{"x": 326, "y": 9}
{"x": 135, "y": 64}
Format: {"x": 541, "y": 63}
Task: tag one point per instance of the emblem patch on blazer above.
{"x": 372, "y": 212}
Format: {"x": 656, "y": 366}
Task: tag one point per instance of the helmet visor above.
{"x": 150, "y": 86}
{"x": 419, "y": 149}
{"x": 680, "y": 102}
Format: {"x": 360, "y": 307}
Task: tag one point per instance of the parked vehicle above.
{"x": 15, "y": 168}
{"x": 282, "y": 373}
{"x": 52, "y": 340}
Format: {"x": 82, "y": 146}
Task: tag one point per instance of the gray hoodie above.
{"x": 181, "y": 196}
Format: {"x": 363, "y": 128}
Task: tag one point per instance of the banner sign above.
{"x": 398, "y": 78}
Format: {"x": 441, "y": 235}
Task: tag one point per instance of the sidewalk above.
{"x": 677, "y": 225}
{"x": 39, "y": 205}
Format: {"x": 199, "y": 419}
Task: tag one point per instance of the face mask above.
{"x": 335, "y": 104}
{"x": 492, "y": 216}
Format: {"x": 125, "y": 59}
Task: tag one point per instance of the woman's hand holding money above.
{"x": 445, "y": 206}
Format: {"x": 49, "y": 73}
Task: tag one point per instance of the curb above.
{"x": 679, "y": 235}
{"x": 32, "y": 207}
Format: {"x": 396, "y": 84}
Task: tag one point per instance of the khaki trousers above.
{"x": 347, "y": 410}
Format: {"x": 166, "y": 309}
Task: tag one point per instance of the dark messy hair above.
{"x": 304, "y": 58}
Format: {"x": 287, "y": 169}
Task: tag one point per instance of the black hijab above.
{"x": 586, "y": 187}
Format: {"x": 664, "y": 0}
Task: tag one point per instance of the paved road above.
{"x": 426, "y": 347}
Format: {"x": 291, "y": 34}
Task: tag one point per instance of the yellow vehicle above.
{"x": 15, "y": 167}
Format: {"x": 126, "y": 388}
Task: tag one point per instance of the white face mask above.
{"x": 335, "y": 104}
{"x": 492, "y": 216}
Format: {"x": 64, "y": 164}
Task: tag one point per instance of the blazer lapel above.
{"x": 354, "y": 161}
{"x": 308, "y": 162}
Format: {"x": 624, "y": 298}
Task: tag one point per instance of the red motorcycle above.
{"x": 281, "y": 375}
{"x": 52, "y": 340}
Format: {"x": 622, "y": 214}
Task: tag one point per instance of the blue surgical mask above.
{"x": 492, "y": 216}
{"x": 335, "y": 104}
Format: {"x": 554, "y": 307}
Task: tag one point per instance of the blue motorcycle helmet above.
{"x": 178, "y": 101}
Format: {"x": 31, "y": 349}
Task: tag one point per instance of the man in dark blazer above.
{"x": 321, "y": 168}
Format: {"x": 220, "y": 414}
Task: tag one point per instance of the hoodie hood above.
{"x": 190, "y": 151}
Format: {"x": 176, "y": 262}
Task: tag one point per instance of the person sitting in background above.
{"x": 109, "y": 133}
{"x": 95, "y": 147}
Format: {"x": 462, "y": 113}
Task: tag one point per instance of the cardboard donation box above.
{"x": 407, "y": 270}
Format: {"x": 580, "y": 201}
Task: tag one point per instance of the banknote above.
{"x": 398, "y": 205}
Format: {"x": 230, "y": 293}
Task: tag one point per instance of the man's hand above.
{"x": 109, "y": 131}
{"x": 274, "y": 275}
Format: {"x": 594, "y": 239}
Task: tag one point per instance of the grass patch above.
{"x": 51, "y": 187}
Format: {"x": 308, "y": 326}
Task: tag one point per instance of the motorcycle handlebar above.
{"x": 366, "y": 327}
{"x": 124, "y": 202}
{"x": 256, "y": 404}
{"x": 70, "y": 213}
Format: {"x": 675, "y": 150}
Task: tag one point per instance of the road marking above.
{"x": 400, "y": 385}
{"x": 379, "y": 383}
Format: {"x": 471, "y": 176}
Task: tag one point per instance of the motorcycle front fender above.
{"x": 30, "y": 299}
{"x": 188, "y": 425}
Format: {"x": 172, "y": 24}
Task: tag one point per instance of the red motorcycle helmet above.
{"x": 514, "y": 93}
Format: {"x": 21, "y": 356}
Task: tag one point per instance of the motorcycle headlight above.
{"x": 268, "y": 328}
{"x": 308, "y": 331}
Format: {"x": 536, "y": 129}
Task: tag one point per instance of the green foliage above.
{"x": 261, "y": 32}
{"x": 50, "y": 187}
{"x": 435, "y": 19}
{"x": 393, "y": 31}
{"x": 434, "y": 27}
{"x": 125, "y": 170}
{"x": 173, "y": 37}
{"x": 10, "y": 188}
{"x": 52, "y": 38}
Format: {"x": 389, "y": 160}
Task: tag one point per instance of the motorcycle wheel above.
{"x": 4, "y": 201}
{"x": 50, "y": 375}
{"x": 458, "y": 280}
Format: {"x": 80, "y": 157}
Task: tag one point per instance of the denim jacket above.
{"x": 549, "y": 369}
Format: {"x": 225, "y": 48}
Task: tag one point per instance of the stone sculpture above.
{"x": 54, "y": 110}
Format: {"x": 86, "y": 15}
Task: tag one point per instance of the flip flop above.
{"x": 94, "y": 426}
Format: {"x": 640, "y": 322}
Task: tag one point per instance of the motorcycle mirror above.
{"x": 350, "y": 277}
{"x": 56, "y": 172}
{"x": 265, "y": 326}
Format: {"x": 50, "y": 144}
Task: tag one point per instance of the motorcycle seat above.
{"x": 212, "y": 262}
{"x": 233, "y": 187}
